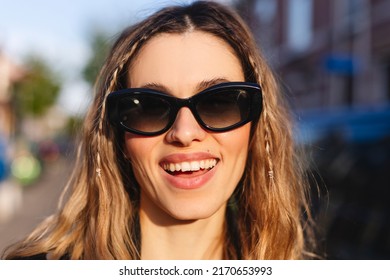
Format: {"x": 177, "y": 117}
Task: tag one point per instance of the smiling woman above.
{"x": 187, "y": 152}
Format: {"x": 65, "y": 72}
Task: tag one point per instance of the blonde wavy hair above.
{"x": 268, "y": 215}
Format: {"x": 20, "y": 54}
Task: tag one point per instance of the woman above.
{"x": 187, "y": 152}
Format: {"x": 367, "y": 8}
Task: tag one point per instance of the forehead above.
{"x": 183, "y": 60}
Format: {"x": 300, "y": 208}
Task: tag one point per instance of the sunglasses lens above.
{"x": 224, "y": 108}
{"x": 219, "y": 108}
{"x": 144, "y": 113}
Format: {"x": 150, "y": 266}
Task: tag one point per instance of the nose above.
{"x": 185, "y": 129}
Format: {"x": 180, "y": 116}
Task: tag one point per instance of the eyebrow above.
{"x": 200, "y": 86}
{"x": 209, "y": 83}
{"x": 155, "y": 86}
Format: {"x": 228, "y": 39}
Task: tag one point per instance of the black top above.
{"x": 41, "y": 256}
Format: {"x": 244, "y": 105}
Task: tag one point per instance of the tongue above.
{"x": 189, "y": 173}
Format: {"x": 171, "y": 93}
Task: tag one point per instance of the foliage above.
{"x": 99, "y": 49}
{"x": 39, "y": 89}
{"x": 73, "y": 126}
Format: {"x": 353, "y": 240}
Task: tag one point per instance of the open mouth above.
{"x": 190, "y": 168}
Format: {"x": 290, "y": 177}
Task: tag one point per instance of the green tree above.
{"x": 39, "y": 90}
{"x": 99, "y": 50}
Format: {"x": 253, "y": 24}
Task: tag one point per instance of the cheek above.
{"x": 234, "y": 151}
{"x": 139, "y": 150}
{"x": 236, "y": 142}
{"x": 137, "y": 144}
{"x": 131, "y": 145}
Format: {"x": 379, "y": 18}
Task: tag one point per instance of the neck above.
{"x": 176, "y": 239}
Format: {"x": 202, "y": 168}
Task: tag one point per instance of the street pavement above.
{"x": 35, "y": 202}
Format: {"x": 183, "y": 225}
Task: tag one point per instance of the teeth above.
{"x": 185, "y": 166}
{"x": 195, "y": 165}
{"x": 190, "y": 166}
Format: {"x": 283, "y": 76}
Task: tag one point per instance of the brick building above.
{"x": 327, "y": 53}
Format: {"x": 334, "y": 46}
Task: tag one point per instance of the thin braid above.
{"x": 253, "y": 63}
{"x": 267, "y": 136}
{"x": 110, "y": 88}
{"x": 268, "y": 146}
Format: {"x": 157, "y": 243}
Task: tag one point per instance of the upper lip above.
{"x": 181, "y": 157}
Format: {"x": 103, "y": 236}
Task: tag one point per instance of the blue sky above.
{"x": 58, "y": 31}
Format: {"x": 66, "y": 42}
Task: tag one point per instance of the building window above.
{"x": 299, "y": 24}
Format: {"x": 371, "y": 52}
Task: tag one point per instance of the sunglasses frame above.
{"x": 256, "y": 100}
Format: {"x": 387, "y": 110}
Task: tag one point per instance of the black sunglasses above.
{"x": 219, "y": 108}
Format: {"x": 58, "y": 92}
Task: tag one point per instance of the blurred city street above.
{"x": 331, "y": 59}
{"x": 37, "y": 201}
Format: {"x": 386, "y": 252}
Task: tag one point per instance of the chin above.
{"x": 190, "y": 214}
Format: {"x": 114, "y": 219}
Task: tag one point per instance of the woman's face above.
{"x": 208, "y": 165}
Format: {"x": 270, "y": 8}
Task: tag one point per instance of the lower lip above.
{"x": 189, "y": 183}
